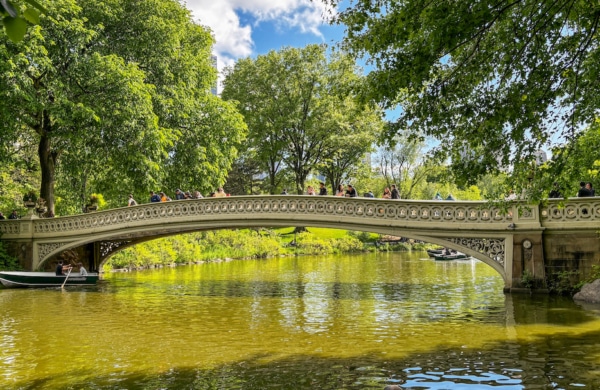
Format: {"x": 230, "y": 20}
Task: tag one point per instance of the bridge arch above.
{"x": 111, "y": 242}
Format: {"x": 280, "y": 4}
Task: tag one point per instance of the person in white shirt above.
{"x": 82, "y": 271}
{"x": 131, "y": 201}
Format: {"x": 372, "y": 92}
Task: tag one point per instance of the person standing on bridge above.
{"x": 340, "y": 190}
{"x": 179, "y": 194}
{"x": 351, "y": 192}
{"x": 154, "y": 198}
{"x": 395, "y": 193}
{"x": 386, "y": 193}
{"x": 2, "y": 216}
{"x": 220, "y": 193}
{"x": 322, "y": 189}
{"x": 555, "y": 193}
{"x": 590, "y": 187}
{"x": 583, "y": 191}
{"x": 131, "y": 201}
{"x": 164, "y": 197}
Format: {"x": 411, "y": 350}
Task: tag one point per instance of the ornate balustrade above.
{"x": 439, "y": 215}
{"x": 577, "y": 212}
{"x": 372, "y": 211}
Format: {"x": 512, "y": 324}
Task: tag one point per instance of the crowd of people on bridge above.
{"x": 182, "y": 195}
{"x": 13, "y": 215}
{"x": 586, "y": 189}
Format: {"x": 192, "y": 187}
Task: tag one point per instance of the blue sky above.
{"x": 245, "y": 28}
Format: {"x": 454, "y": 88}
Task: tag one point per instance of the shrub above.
{"x": 347, "y": 244}
{"x": 561, "y": 282}
{"x": 7, "y": 262}
{"x": 309, "y": 244}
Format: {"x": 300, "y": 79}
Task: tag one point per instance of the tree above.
{"x": 297, "y": 106}
{"x": 579, "y": 161}
{"x": 503, "y": 78}
{"x": 116, "y": 95}
{"x": 402, "y": 164}
{"x": 243, "y": 176}
{"x": 355, "y": 134}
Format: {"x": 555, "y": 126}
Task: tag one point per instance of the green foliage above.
{"x": 401, "y": 162}
{"x": 563, "y": 282}
{"x": 194, "y": 247}
{"x": 310, "y": 244}
{"x": 527, "y": 280}
{"x": 115, "y": 116}
{"x": 572, "y": 162}
{"x": 7, "y": 262}
{"x": 301, "y": 114}
{"x": 364, "y": 236}
{"x": 494, "y": 82}
{"x": 594, "y": 274}
{"x": 14, "y": 17}
{"x": 248, "y": 244}
{"x": 347, "y": 244}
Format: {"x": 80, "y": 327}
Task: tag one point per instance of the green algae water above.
{"x": 338, "y": 322}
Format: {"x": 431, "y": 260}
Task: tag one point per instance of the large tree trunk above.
{"x": 47, "y": 164}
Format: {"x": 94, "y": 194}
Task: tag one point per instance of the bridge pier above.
{"x": 528, "y": 268}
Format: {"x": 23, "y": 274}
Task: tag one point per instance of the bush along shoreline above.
{"x": 244, "y": 244}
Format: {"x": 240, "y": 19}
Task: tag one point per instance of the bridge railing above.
{"x": 466, "y": 215}
{"x": 407, "y": 213}
{"x": 575, "y": 212}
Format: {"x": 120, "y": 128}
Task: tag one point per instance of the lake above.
{"x": 333, "y": 322}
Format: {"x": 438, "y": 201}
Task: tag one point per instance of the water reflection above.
{"x": 348, "y": 322}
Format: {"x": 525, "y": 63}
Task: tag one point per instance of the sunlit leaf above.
{"x": 15, "y": 28}
{"x": 32, "y": 15}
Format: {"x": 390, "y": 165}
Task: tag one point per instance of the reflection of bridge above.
{"x": 534, "y": 241}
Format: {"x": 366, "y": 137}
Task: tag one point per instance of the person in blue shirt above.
{"x": 154, "y": 197}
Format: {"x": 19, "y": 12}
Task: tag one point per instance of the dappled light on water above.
{"x": 354, "y": 322}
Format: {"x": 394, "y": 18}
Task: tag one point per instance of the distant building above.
{"x": 213, "y": 89}
{"x": 540, "y": 157}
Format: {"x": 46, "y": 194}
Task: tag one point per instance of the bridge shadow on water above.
{"x": 560, "y": 361}
{"x": 535, "y": 364}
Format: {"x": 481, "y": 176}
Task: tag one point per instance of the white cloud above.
{"x": 234, "y": 39}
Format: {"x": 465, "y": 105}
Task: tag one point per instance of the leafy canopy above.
{"x": 115, "y": 98}
{"x": 301, "y": 113}
{"x": 495, "y": 80}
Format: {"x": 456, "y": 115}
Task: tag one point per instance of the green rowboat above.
{"x": 45, "y": 279}
{"x": 454, "y": 256}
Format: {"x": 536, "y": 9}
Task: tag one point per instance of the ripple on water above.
{"x": 348, "y": 322}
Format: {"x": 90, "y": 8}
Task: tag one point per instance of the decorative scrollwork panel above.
{"x": 494, "y": 248}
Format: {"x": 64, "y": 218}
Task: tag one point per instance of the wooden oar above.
{"x": 68, "y": 273}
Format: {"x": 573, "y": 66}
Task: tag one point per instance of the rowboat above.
{"x": 45, "y": 279}
{"x": 453, "y": 256}
{"x": 435, "y": 252}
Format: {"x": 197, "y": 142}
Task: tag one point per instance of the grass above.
{"x": 287, "y": 234}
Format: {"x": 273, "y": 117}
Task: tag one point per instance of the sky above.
{"x": 247, "y": 28}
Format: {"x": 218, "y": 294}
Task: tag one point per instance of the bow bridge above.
{"x": 523, "y": 243}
